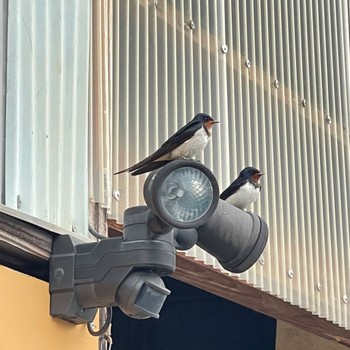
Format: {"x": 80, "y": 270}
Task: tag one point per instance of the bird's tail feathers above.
{"x": 122, "y": 171}
{"x": 150, "y": 167}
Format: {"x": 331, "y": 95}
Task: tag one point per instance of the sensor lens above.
{"x": 186, "y": 194}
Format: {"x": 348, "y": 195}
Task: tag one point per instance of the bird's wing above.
{"x": 181, "y": 136}
{"x": 150, "y": 167}
{"x": 230, "y": 190}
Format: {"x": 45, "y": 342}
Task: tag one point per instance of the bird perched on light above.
{"x": 186, "y": 143}
{"x": 245, "y": 189}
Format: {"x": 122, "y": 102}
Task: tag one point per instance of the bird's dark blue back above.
{"x": 241, "y": 180}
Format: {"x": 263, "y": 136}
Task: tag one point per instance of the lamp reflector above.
{"x": 182, "y": 194}
{"x": 186, "y": 194}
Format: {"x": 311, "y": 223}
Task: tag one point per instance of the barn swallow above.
{"x": 186, "y": 143}
{"x": 245, "y": 189}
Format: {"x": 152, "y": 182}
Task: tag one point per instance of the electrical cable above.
{"x": 108, "y": 321}
{"x": 105, "y": 326}
{"x": 96, "y": 234}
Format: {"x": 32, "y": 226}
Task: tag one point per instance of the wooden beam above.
{"x": 25, "y": 242}
{"x": 213, "y": 281}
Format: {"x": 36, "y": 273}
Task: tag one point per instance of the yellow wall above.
{"x": 25, "y": 322}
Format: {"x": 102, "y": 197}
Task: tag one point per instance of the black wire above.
{"x": 96, "y": 234}
{"x": 104, "y": 328}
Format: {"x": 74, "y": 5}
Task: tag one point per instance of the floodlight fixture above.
{"x": 183, "y": 209}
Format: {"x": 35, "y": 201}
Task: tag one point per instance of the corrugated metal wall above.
{"x": 282, "y": 94}
{"x": 47, "y": 110}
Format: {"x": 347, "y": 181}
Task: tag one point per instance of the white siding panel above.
{"x": 46, "y": 115}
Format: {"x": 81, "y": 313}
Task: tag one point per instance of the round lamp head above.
{"x": 183, "y": 193}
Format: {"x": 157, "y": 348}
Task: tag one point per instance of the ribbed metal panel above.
{"x": 282, "y": 95}
{"x": 3, "y": 41}
{"x": 47, "y": 111}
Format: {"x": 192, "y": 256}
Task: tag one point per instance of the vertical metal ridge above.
{"x": 3, "y": 69}
{"x": 116, "y": 209}
{"x": 100, "y": 105}
{"x": 332, "y": 43}
{"x": 325, "y": 172}
{"x": 290, "y": 160}
{"x": 263, "y": 267}
{"x": 274, "y": 265}
{"x": 310, "y": 99}
{"x": 277, "y": 152}
{"x": 344, "y": 78}
{"x": 252, "y": 135}
{"x": 133, "y": 91}
{"x": 300, "y": 69}
{"x": 314, "y": 17}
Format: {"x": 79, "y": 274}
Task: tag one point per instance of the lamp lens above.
{"x": 186, "y": 194}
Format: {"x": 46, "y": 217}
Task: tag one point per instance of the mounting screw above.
{"x": 328, "y": 119}
{"x": 247, "y": 63}
{"x": 191, "y": 24}
{"x": 345, "y": 299}
{"x": 19, "y": 202}
{"x": 261, "y": 260}
{"x": 224, "y": 48}
{"x": 59, "y": 273}
{"x": 290, "y": 273}
{"x": 303, "y": 103}
{"x": 319, "y": 286}
{"x": 276, "y": 83}
{"x": 116, "y": 195}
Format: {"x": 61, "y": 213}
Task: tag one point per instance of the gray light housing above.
{"x": 85, "y": 276}
{"x": 235, "y": 237}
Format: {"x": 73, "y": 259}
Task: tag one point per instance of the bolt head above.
{"x": 59, "y": 272}
{"x": 328, "y": 119}
{"x": 345, "y": 299}
{"x": 116, "y": 194}
{"x": 192, "y": 24}
{"x": 276, "y": 83}
{"x": 224, "y": 48}
{"x": 319, "y": 286}
{"x": 261, "y": 260}
{"x": 290, "y": 273}
{"x": 303, "y": 103}
{"x": 19, "y": 202}
{"x": 247, "y": 63}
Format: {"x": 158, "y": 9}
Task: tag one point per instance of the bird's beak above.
{"x": 215, "y": 122}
